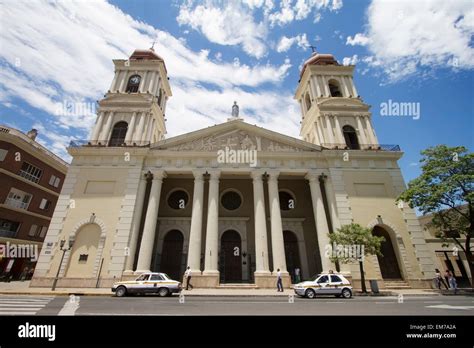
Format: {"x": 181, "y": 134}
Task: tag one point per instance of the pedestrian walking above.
{"x": 446, "y": 277}
{"x": 439, "y": 279}
{"x": 452, "y": 282}
{"x": 187, "y": 275}
{"x": 297, "y": 275}
{"x": 279, "y": 281}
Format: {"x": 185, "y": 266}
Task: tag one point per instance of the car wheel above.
{"x": 163, "y": 292}
{"x": 310, "y": 293}
{"x": 346, "y": 293}
{"x": 121, "y": 291}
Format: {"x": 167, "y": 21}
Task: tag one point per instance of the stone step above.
{"x": 396, "y": 285}
{"x": 237, "y": 286}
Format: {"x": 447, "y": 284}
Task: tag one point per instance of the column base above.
{"x": 128, "y": 272}
{"x": 269, "y": 280}
{"x": 204, "y": 280}
{"x": 138, "y": 272}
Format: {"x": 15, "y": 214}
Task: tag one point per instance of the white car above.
{"x": 325, "y": 284}
{"x": 146, "y": 283}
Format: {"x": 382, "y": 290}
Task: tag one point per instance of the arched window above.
{"x": 350, "y": 136}
{"x": 307, "y": 101}
{"x": 118, "y": 134}
{"x": 334, "y": 88}
{"x": 133, "y": 83}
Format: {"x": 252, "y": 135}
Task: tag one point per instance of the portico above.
{"x": 253, "y": 229}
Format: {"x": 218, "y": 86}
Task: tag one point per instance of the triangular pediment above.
{"x": 236, "y": 135}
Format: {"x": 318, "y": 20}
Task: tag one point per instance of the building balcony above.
{"x": 364, "y": 147}
{"x": 108, "y": 143}
{"x": 7, "y": 233}
{"x": 14, "y": 203}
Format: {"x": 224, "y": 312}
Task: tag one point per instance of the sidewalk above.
{"x": 22, "y": 288}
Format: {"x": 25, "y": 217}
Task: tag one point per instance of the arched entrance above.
{"x": 292, "y": 254}
{"x": 230, "y": 261}
{"x": 388, "y": 262}
{"x": 84, "y": 252}
{"x": 172, "y": 253}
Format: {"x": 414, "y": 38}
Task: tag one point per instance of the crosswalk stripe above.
{"x": 23, "y": 305}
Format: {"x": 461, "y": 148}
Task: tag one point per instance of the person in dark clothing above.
{"x": 279, "y": 281}
{"x": 187, "y": 275}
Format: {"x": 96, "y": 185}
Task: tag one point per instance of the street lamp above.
{"x": 61, "y": 245}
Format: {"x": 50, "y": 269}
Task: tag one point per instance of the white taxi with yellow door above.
{"x": 325, "y": 284}
{"x": 147, "y": 283}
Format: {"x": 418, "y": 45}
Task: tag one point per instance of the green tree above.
{"x": 445, "y": 190}
{"x": 354, "y": 235}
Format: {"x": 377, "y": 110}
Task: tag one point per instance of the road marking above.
{"x": 23, "y": 305}
{"x": 446, "y": 306}
{"x": 71, "y": 306}
{"x": 432, "y": 301}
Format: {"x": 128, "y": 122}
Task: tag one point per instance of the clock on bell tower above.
{"x": 132, "y": 112}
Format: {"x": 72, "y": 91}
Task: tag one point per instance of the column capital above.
{"x": 155, "y": 174}
{"x": 214, "y": 174}
{"x": 257, "y": 174}
{"x": 198, "y": 175}
{"x": 273, "y": 174}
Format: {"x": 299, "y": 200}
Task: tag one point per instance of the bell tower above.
{"x": 132, "y": 112}
{"x": 333, "y": 114}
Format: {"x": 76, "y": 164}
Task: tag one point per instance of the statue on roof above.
{"x": 235, "y": 110}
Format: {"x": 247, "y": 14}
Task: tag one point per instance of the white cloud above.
{"x": 404, "y": 36}
{"x": 229, "y": 25}
{"x": 299, "y": 10}
{"x": 350, "y": 60}
{"x": 75, "y": 64}
{"x": 233, "y": 23}
{"x": 285, "y": 43}
{"x": 358, "y": 39}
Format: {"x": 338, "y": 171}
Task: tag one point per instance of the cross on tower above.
{"x": 153, "y": 45}
{"x": 313, "y": 48}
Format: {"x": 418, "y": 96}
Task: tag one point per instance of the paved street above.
{"x": 152, "y": 305}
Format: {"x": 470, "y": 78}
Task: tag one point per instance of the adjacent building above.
{"x": 235, "y": 201}
{"x": 447, "y": 255}
{"x": 31, "y": 178}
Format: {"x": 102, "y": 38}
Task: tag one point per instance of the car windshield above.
{"x": 165, "y": 275}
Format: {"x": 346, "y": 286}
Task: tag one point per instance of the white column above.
{"x": 143, "y": 82}
{"x": 344, "y": 82}
{"x": 315, "y": 87}
{"x": 135, "y": 229}
{"x": 261, "y": 244}
{"x": 123, "y": 79}
{"x": 149, "y": 131}
{"x": 195, "y": 235}
{"x": 322, "y": 228}
{"x": 338, "y": 131}
{"x": 329, "y": 128}
{"x": 107, "y": 128}
{"x": 353, "y": 87}
{"x": 131, "y": 128}
{"x": 319, "y": 128}
{"x": 370, "y": 130}
{"x": 98, "y": 127}
{"x": 140, "y": 128}
{"x": 151, "y": 219}
{"x": 152, "y": 80}
{"x": 212, "y": 236}
{"x": 361, "y": 130}
{"x": 326, "y": 86}
{"x": 114, "y": 81}
{"x": 278, "y": 245}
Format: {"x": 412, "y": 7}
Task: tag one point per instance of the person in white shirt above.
{"x": 297, "y": 275}
{"x": 279, "y": 281}
{"x": 187, "y": 276}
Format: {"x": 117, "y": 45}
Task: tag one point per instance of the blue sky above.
{"x": 52, "y": 54}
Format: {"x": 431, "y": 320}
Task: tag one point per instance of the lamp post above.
{"x": 61, "y": 245}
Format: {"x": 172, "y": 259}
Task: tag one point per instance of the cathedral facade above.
{"x": 234, "y": 202}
